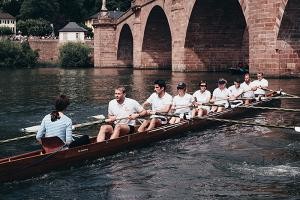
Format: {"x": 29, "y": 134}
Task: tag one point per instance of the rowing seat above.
{"x": 51, "y": 144}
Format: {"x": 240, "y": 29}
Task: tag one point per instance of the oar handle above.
{"x": 87, "y": 124}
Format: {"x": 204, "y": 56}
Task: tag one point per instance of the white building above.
{"x": 72, "y": 32}
{"x": 7, "y": 20}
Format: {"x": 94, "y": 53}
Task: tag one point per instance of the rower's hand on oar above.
{"x": 150, "y": 112}
{"x": 196, "y": 104}
{"x": 111, "y": 119}
{"x": 133, "y": 116}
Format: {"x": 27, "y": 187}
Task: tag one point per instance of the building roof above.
{"x": 111, "y": 14}
{"x": 72, "y": 27}
{"x": 4, "y": 15}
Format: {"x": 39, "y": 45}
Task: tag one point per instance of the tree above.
{"x": 5, "y": 31}
{"x": 35, "y": 9}
{"x": 16, "y": 55}
{"x": 11, "y": 6}
{"x": 74, "y": 54}
{"x": 118, "y": 5}
{"x": 34, "y": 27}
{"x": 89, "y": 32}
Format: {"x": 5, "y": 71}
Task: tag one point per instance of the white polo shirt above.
{"x": 128, "y": 107}
{"x": 248, "y": 90}
{"x": 221, "y": 95}
{"x": 260, "y": 83}
{"x": 158, "y": 103}
{"x": 235, "y": 91}
{"x": 202, "y": 97}
{"x": 183, "y": 101}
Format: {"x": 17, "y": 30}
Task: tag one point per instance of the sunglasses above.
{"x": 202, "y": 85}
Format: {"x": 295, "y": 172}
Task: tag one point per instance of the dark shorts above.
{"x": 131, "y": 128}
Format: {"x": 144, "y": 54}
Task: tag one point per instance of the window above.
{"x": 77, "y": 36}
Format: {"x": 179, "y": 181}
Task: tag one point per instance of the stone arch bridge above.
{"x": 202, "y": 35}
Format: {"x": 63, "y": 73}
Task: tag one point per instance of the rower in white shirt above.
{"x": 220, "y": 96}
{"x": 120, "y": 107}
{"x": 201, "y": 97}
{"x": 181, "y": 103}
{"x": 261, "y": 85}
{"x": 236, "y": 90}
{"x": 161, "y": 102}
{"x": 248, "y": 88}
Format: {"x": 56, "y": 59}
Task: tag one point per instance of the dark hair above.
{"x": 161, "y": 83}
{"x": 202, "y": 83}
{"x": 181, "y": 85}
{"x": 237, "y": 80}
{"x": 61, "y": 103}
{"x": 246, "y": 74}
{"x": 222, "y": 81}
{"x": 122, "y": 89}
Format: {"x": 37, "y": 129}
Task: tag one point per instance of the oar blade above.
{"x": 297, "y": 129}
{"x": 31, "y": 129}
{"x": 98, "y": 117}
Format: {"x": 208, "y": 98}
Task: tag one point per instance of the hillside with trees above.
{"x": 58, "y": 12}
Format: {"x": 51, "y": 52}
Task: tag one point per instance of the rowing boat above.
{"x": 34, "y": 163}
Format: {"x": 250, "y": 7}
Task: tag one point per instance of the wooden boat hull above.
{"x": 34, "y": 163}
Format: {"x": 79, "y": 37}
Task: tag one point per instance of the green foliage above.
{"x": 89, "y": 32}
{"x": 35, "y": 9}
{"x": 5, "y": 31}
{"x": 118, "y": 5}
{"x": 74, "y": 54}
{"x": 34, "y": 27}
{"x": 16, "y": 55}
{"x": 59, "y": 12}
{"x": 11, "y": 6}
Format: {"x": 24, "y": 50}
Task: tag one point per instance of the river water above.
{"x": 225, "y": 162}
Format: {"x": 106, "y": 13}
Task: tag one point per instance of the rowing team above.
{"x": 123, "y": 111}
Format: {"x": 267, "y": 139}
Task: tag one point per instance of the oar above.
{"x": 281, "y": 97}
{"x": 180, "y": 107}
{"x": 280, "y": 92}
{"x": 271, "y": 108}
{"x": 76, "y": 126}
{"x": 34, "y": 129}
{"x": 26, "y": 136}
{"x": 296, "y": 128}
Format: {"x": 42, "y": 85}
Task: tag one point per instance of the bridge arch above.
{"x": 288, "y": 38}
{"x": 157, "y": 47}
{"x": 216, "y": 36}
{"x": 125, "y": 46}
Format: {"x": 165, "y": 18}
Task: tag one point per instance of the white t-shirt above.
{"x": 202, "y": 97}
{"x": 221, "y": 95}
{"x": 235, "y": 91}
{"x": 248, "y": 92}
{"x": 260, "y": 83}
{"x": 159, "y": 103}
{"x": 183, "y": 101}
{"x": 128, "y": 107}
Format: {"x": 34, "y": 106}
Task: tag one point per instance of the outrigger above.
{"x": 54, "y": 155}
